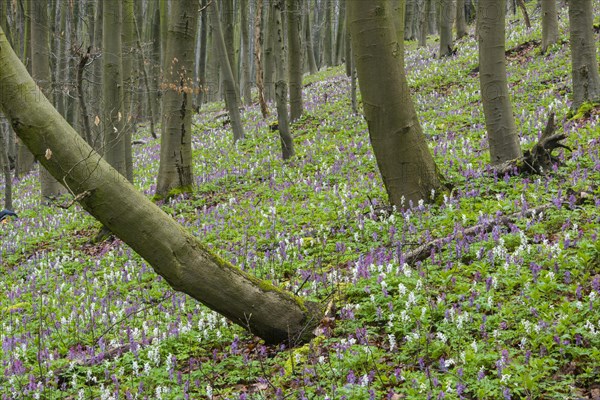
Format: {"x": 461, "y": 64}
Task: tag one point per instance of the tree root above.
{"x": 539, "y": 159}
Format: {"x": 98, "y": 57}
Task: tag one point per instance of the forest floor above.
{"x": 511, "y": 311}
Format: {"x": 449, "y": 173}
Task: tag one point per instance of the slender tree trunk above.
{"x": 341, "y": 33}
{"x": 294, "y": 19}
{"x": 269, "y": 78}
{"x": 328, "y": 34}
{"x": 148, "y": 89}
{"x": 586, "y": 81}
{"x": 310, "y": 51}
{"x": 213, "y": 79}
{"x": 349, "y": 63}
{"x": 258, "y": 40}
{"x": 246, "y": 55}
{"x": 4, "y": 160}
{"x": 228, "y": 28}
{"x": 424, "y": 27}
{"x": 128, "y": 41}
{"x": 549, "y": 24}
{"x": 231, "y": 94}
{"x": 408, "y": 170}
{"x": 409, "y": 15}
{"x": 175, "y": 170}
{"x": 499, "y": 120}
{"x": 202, "y": 55}
{"x": 25, "y": 159}
{"x": 461, "y": 21}
{"x": 281, "y": 90}
{"x": 156, "y": 54}
{"x": 40, "y": 67}
{"x": 446, "y": 17}
{"x": 177, "y": 255}
{"x": 112, "y": 86}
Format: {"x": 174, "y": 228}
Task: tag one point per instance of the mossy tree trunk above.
{"x": 408, "y": 170}
{"x": 174, "y": 253}
{"x": 584, "y": 64}
{"x": 497, "y": 108}
{"x": 175, "y": 170}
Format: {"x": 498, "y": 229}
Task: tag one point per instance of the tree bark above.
{"x": 408, "y": 170}
{"x": 175, "y": 171}
{"x": 269, "y": 75}
{"x": 586, "y": 80}
{"x": 461, "y": 21}
{"x": 128, "y": 41}
{"x": 310, "y": 51}
{"x": 328, "y": 35}
{"x": 231, "y": 93}
{"x": 258, "y": 51}
{"x": 340, "y": 38}
{"x": 246, "y": 55}
{"x": 5, "y": 163}
{"x": 281, "y": 89}
{"x": 499, "y": 120}
{"x": 177, "y": 255}
{"x": 446, "y": 18}
{"x": 40, "y": 68}
{"x": 549, "y": 24}
{"x": 294, "y": 18}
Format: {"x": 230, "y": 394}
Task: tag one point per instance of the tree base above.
{"x": 539, "y": 159}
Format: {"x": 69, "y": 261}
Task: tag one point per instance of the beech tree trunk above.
{"x": 461, "y": 21}
{"x": 112, "y": 86}
{"x": 408, "y": 170}
{"x": 128, "y": 42}
{"x": 258, "y": 41}
{"x": 446, "y": 18}
{"x": 586, "y": 80}
{"x": 499, "y": 120}
{"x": 231, "y": 93}
{"x": 5, "y": 164}
{"x": 308, "y": 37}
{"x": 281, "y": 89}
{"x": 40, "y": 68}
{"x": 175, "y": 171}
{"x": 294, "y": 18}
{"x": 174, "y": 253}
{"x": 549, "y": 24}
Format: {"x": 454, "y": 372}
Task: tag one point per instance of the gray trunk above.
{"x": 281, "y": 89}
{"x": 586, "y": 81}
{"x": 294, "y": 14}
{"x": 231, "y": 93}
{"x": 175, "y": 171}
{"x": 499, "y": 120}
{"x": 446, "y": 18}
{"x": 549, "y": 24}
{"x": 461, "y": 21}
{"x": 407, "y": 168}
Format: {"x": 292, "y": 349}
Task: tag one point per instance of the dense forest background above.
{"x": 380, "y": 199}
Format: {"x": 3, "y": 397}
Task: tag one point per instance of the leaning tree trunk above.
{"x": 40, "y": 68}
{"x": 231, "y": 93}
{"x": 446, "y": 18}
{"x": 175, "y": 170}
{"x": 549, "y": 24}
{"x": 586, "y": 81}
{"x": 281, "y": 90}
{"x": 408, "y": 170}
{"x": 499, "y": 120}
{"x": 294, "y": 18}
{"x": 177, "y": 255}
